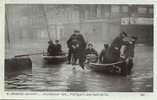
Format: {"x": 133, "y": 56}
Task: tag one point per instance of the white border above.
{"x": 108, "y": 95}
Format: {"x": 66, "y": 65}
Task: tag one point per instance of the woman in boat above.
{"x": 91, "y": 54}
{"x": 102, "y": 57}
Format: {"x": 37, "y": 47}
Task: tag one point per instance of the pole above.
{"x": 7, "y": 27}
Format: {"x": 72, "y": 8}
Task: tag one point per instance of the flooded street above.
{"x": 30, "y": 29}
{"x": 62, "y": 77}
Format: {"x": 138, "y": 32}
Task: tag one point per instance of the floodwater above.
{"x": 62, "y": 77}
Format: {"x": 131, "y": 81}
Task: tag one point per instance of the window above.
{"x": 115, "y": 9}
{"x": 142, "y": 10}
{"x": 150, "y": 10}
{"x": 93, "y": 11}
{"x": 105, "y": 11}
{"x": 124, "y": 9}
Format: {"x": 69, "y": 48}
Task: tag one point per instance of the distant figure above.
{"x": 76, "y": 45}
{"x": 50, "y": 48}
{"x": 57, "y": 48}
{"x": 91, "y": 53}
{"x": 102, "y": 57}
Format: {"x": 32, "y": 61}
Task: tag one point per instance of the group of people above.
{"x": 54, "y": 49}
{"x": 121, "y": 47}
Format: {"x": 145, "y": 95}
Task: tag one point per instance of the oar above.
{"x": 29, "y": 54}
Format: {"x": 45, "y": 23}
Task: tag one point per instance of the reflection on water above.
{"x": 47, "y": 77}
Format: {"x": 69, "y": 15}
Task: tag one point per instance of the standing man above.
{"x": 77, "y": 44}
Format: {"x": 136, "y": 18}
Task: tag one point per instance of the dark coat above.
{"x": 57, "y": 49}
{"x": 80, "y": 40}
{"x": 102, "y": 56}
{"x": 114, "y": 50}
{"x": 50, "y": 49}
{"x": 117, "y": 42}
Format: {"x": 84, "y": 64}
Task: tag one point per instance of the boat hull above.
{"x": 116, "y": 68}
{"x": 54, "y": 59}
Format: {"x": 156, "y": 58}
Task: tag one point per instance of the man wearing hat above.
{"x": 76, "y": 45}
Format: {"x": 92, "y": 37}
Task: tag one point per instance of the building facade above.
{"x": 101, "y": 23}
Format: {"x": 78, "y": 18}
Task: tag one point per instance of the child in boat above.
{"x": 57, "y": 48}
{"x": 50, "y": 48}
{"x": 103, "y": 54}
{"x": 91, "y": 54}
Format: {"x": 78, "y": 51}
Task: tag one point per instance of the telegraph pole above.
{"x": 7, "y": 27}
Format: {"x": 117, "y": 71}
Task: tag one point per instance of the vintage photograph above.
{"x": 79, "y": 47}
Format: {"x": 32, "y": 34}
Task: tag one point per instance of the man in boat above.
{"x": 50, "y": 48}
{"x": 57, "y": 48}
{"x": 116, "y": 46}
{"x": 76, "y": 45}
{"x": 91, "y": 54}
{"x": 102, "y": 57}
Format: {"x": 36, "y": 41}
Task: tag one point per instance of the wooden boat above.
{"x": 55, "y": 59}
{"x": 18, "y": 63}
{"x": 117, "y": 67}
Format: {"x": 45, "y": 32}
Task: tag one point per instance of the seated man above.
{"x": 103, "y": 54}
{"x": 57, "y": 48}
{"x": 91, "y": 54}
{"x": 50, "y": 48}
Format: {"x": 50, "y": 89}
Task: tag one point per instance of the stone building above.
{"x": 99, "y": 23}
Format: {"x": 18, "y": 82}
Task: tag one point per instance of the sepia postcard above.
{"x": 78, "y": 49}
